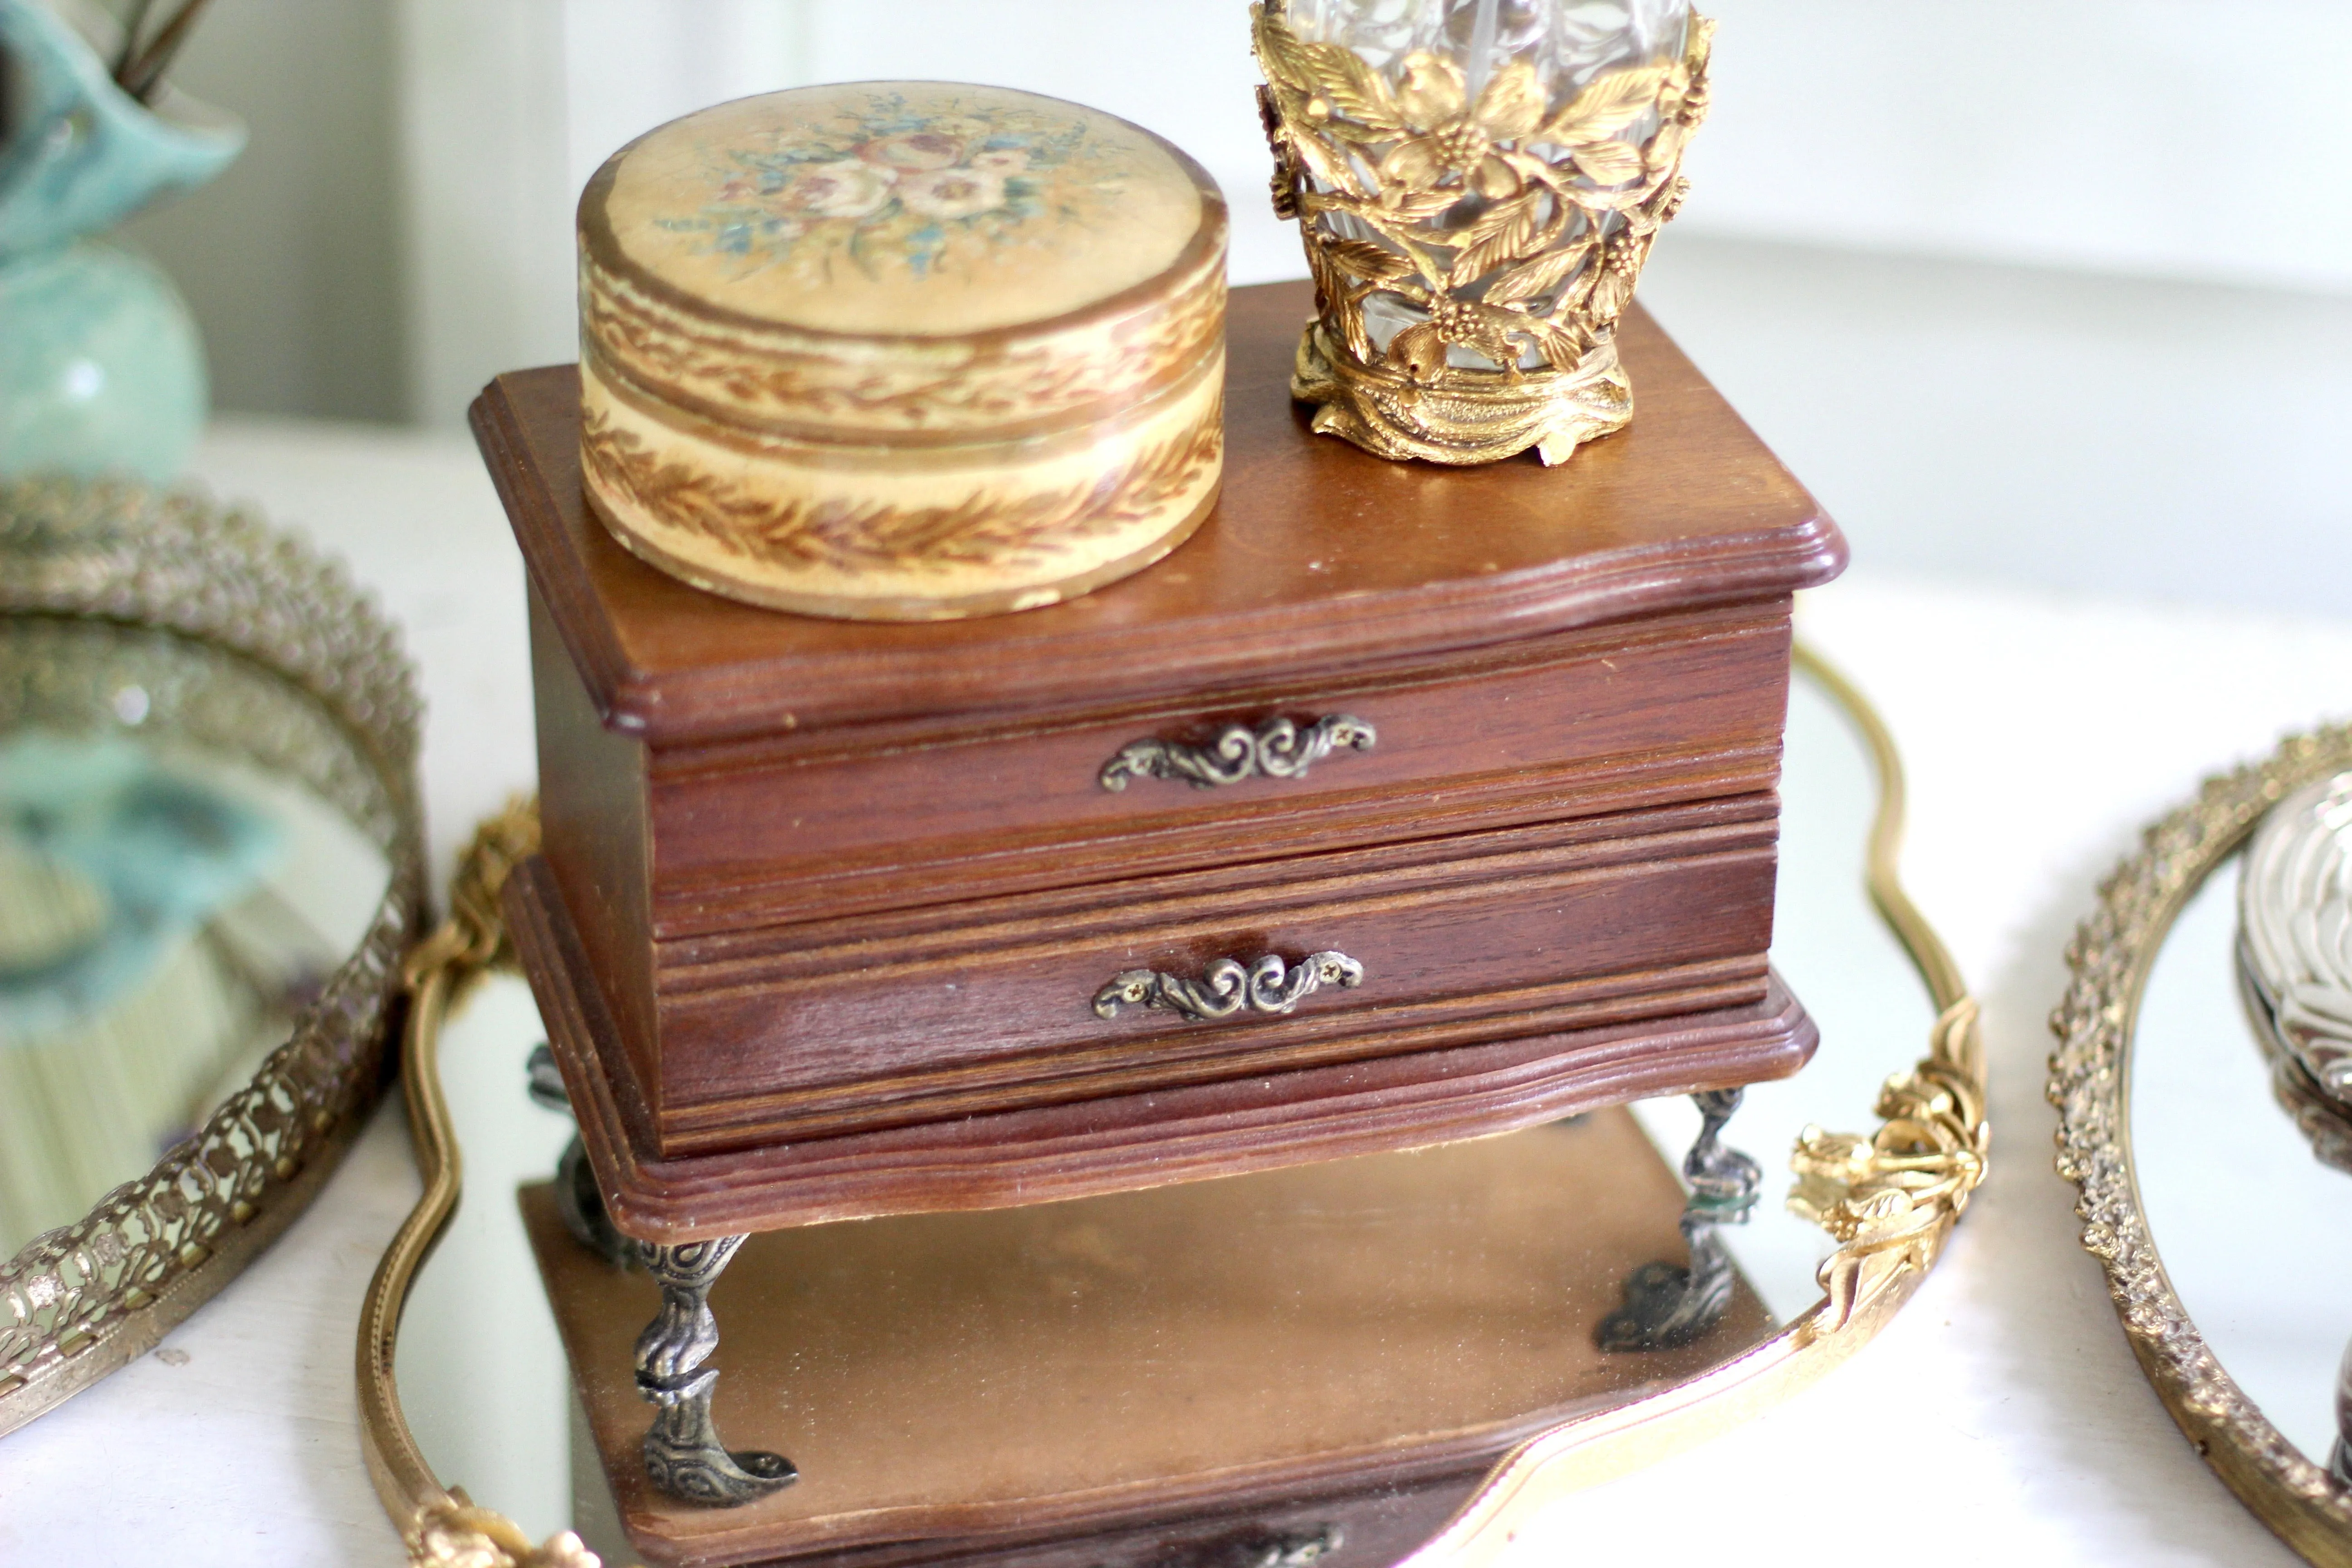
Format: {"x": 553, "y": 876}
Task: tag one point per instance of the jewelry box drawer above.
{"x": 797, "y": 827}
{"x": 831, "y": 1027}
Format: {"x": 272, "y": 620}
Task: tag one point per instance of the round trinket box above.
{"x": 901, "y": 351}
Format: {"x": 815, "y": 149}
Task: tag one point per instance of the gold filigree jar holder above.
{"x": 1505, "y": 233}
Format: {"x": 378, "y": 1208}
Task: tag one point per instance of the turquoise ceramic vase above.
{"x": 101, "y": 367}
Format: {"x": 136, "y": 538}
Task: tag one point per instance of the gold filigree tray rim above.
{"x": 1889, "y": 1198}
{"x": 81, "y": 1301}
{"x": 2110, "y": 959}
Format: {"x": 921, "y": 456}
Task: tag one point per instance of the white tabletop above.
{"x": 2001, "y": 1418}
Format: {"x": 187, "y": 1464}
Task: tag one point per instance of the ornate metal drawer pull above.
{"x": 1277, "y": 749}
{"x": 1225, "y": 988}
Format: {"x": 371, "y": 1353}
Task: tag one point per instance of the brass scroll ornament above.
{"x": 1225, "y": 988}
{"x": 1277, "y": 749}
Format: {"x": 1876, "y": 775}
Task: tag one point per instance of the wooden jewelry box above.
{"x": 1402, "y": 805}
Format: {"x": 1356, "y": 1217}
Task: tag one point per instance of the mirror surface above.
{"x": 2241, "y": 1210}
{"x": 1500, "y": 1259}
{"x": 171, "y": 895}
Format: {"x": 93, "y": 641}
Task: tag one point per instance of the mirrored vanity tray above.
{"x": 210, "y": 863}
{"x": 2211, "y": 1161}
{"x": 1354, "y": 1362}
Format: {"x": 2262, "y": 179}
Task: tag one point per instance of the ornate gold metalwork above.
{"x": 441, "y": 1526}
{"x": 1891, "y": 1199}
{"x": 1509, "y": 234}
{"x": 454, "y": 1534}
{"x": 1277, "y": 749}
{"x": 2111, "y": 957}
{"x": 1226, "y": 988}
{"x": 241, "y": 641}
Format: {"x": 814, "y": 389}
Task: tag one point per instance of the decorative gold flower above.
{"x": 1448, "y": 134}
{"x": 952, "y": 193}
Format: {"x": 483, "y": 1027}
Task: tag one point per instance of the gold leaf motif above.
{"x": 1700, "y": 45}
{"x": 1562, "y": 347}
{"x": 1281, "y": 53}
{"x": 1373, "y": 263}
{"x": 1352, "y": 89}
{"x": 1609, "y": 162}
{"x": 1416, "y": 207}
{"x": 1518, "y": 217}
{"x": 1504, "y": 234}
{"x": 1609, "y": 104}
{"x": 1539, "y": 276}
{"x": 1329, "y": 167}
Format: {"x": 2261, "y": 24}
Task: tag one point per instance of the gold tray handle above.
{"x": 1277, "y": 749}
{"x": 1226, "y": 988}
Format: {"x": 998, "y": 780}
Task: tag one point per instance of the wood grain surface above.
{"x": 824, "y": 906}
{"x": 1428, "y": 1089}
{"x": 1682, "y": 707}
{"x": 863, "y": 1023}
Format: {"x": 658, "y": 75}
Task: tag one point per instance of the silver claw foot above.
{"x": 1668, "y": 1306}
{"x": 684, "y": 1457}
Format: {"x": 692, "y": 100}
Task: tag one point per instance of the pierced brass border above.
{"x": 1890, "y": 1198}
{"x": 2111, "y": 957}
{"x": 259, "y": 618}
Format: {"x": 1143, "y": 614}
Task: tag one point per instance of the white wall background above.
{"x": 292, "y": 259}
{"x": 2180, "y": 138}
{"x": 2191, "y": 138}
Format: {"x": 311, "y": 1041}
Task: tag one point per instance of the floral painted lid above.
{"x": 896, "y": 209}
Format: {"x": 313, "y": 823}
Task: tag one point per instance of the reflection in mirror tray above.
{"x": 2189, "y": 1118}
{"x": 210, "y": 863}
